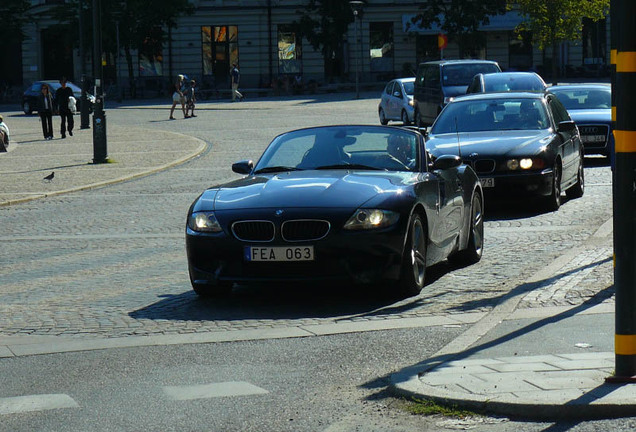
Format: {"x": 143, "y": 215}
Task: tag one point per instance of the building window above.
{"x": 594, "y": 41}
{"x": 289, "y": 51}
{"x": 219, "y": 51}
{"x": 151, "y": 54}
{"x": 520, "y": 51}
{"x": 381, "y": 46}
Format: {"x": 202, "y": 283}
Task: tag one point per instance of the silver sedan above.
{"x": 396, "y": 102}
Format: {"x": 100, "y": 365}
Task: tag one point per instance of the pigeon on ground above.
{"x": 49, "y": 177}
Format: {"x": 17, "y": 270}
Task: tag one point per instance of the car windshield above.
{"x": 492, "y": 115}
{"x": 462, "y": 74}
{"x": 505, "y": 82}
{"x": 342, "y": 147}
{"x": 580, "y": 99}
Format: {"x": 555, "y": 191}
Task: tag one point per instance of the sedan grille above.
{"x": 254, "y": 230}
{"x": 304, "y": 230}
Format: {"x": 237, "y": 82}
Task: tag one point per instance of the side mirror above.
{"x": 566, "y": 126}
{"x": 243, "y": 167}
{"x": 445, "y": 162}
{"x": 397, "y": 94}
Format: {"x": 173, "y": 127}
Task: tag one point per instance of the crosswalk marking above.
{"x": 205, "y": 391}
{"x": 19, "y": 404}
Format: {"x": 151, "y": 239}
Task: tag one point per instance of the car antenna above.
{"x": 459, "y": 147}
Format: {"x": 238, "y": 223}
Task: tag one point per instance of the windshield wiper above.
{"x": 348, "y": 166}
{"x": 276, "y": 169}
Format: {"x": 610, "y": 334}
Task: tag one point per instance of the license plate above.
{"x": 487, "y": 182}
{"x": 279, "y": 253}
{"x": 593, "y": 138}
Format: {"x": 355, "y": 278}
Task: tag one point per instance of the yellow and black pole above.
{"x": 624, "y": 11}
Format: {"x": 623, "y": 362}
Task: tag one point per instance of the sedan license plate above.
{"x": 487, "y": 182}
{"x": 592, "y": 138}
{"x": 279, "y": 253}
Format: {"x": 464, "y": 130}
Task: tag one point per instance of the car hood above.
{"x": 327, "y": 189}
{"x": 492, "y": 143}
{"x": 591, "y": 116}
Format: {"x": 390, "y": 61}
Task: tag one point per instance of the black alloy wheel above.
{"x": 414, "y": 258}
{"x": 475, "y": 247}
{"x": 577, "y": 189}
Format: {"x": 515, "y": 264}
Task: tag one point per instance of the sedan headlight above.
{"x": 204, "y": 222}
{"x": 525, "y": 164}
{"x": 371, "y": 218}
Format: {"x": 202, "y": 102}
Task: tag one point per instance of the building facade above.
{"x": 257, "y": 35}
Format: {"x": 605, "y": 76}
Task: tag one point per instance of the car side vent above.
{"x": 254, "y": 230}
{"x": 484, "y": 166}
{"x": 304, "y": 230}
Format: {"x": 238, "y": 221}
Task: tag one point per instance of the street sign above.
{"x": 442, "y": 41}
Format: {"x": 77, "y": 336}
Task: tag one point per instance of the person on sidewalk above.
{"x": 5, "y": 135}
{"x": 191, "y": 99}
{"x": 236, "y": 77}
{"x": 178, "y": 96}
{"x": 45, "y": 110}
{"x": 62, "y": 96}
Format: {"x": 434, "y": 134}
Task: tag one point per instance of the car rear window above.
{"x": 462, "y": 74}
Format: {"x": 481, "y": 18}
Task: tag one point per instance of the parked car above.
{"x": 396, "y": 102}
{"x": 438, "y": 82}
{"x": 519, "y": 143}
{"x": 31, "y": 94}
{"x": 352, "y": 203}
{"x": 506, "y": 81}
{"x": 590, "y": 106}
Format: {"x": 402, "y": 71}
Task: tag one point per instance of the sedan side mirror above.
{"x": 445, "y": 162}
{"x": 566, "y": 126}
{"x": 243, "y": 167}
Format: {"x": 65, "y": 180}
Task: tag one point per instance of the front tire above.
{"x": 383, "y": 119}
{"x": 413, "y": 272}
{"x": 27, "y": 108}
{"x": 221, "y": 289}
{"x": 554, "y": 199}
{"x": 405, "y": 118}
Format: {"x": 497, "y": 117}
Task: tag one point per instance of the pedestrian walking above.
{"x": 5, "y": 135}
{"x": 62, "y": 96}
{"x": 45, "y": 110}
{"x": 191, "y": 98}
{"x": 178, "y": 96}
{"x": 236, "y": 77}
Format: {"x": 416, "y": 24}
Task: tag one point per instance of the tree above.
{"x": 554, "y": 21}
{"x": 141, "y": 25}
{"x": 14, "y": 14}
{"x": 460, "y": 20}
{"x": 324, "y": 23}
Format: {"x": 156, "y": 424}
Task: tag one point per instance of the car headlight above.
{"x": 371, "y": 218}
{"x": 525, "y": 164}
{"x": 204, "y": 222}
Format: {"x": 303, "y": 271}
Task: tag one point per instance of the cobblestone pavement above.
{"x": 110, "y": 262}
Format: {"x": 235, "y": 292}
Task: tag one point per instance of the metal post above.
{"x": 84, "y": 114}
{"x": 355, "y": 13}
{"x": 100, "y": 154}
{"x": 624, "y": 11}
{"x": 356, "y": 6}
{"x": 119, "y": 86}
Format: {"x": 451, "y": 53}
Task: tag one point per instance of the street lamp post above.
{"x": 357, "y": 6}
{"x": 100, "y": 153}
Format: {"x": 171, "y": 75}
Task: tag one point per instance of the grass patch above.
{"x": 429, "y": 408}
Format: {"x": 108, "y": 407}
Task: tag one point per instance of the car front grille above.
{"x": 594, "y": 136}
{"x": 304, "y": 230}
{"x": 254, "y": 230}
{"x": 291, "y": 230}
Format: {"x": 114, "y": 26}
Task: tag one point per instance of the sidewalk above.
{"x": 132, "y": 152}
{"x": 532, "y": 363}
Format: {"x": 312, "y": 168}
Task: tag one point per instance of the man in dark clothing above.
{"x": 62, "y": 96}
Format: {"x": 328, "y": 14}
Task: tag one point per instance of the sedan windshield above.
{"x": 342, "y": 148}
{"x": 492, "y": 115}
{"x": 580, "y": 99}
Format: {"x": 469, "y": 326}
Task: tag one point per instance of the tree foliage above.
{"x": 554, "y": 21}
{"x": 460, "y": 19}
{"x": 324, "y": 23}
{"x": 14, "y": 14}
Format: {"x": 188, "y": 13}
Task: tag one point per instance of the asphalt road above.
{"x": 111, "y": 263}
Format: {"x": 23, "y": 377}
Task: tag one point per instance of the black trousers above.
{"x": 47, "y": 123}
{"x": 67, "y": 116}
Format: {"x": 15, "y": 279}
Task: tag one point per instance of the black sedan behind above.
{"x": 31, "y": 94}
{"x": 519, "y": 143}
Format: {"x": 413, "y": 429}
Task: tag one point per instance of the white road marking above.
{"x": 205, "y": 391}
{"x": 19, "y": 404}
